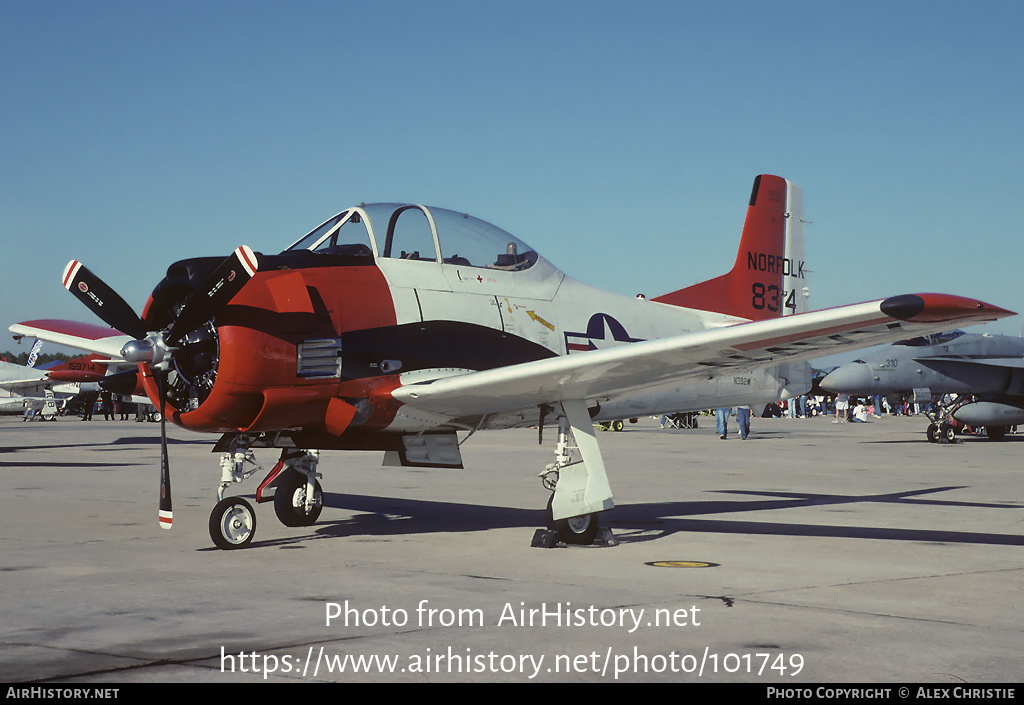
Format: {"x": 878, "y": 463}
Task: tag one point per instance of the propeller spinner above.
{"x": 158, "y": 348}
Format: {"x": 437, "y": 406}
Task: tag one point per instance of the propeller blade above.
{"x": 166, "y": 513}
{"x": 218, "y": 289}
{"x": 102, "y": 300}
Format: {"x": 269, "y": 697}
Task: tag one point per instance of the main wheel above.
{"x": 996, "y": 433}
{"x": 232, "y": 523}
{"x": 290, "y": 500}
{"x": 948, "y": 432}
{"x": 580, "y": 531}
{"x": 933, "y": 432}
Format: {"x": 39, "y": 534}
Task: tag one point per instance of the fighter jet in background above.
{"x": 984, "y": 374}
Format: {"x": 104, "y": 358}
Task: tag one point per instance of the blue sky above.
{"x": 620, "y": 139}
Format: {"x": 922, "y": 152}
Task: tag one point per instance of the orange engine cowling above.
{"x": 243, "y": 371}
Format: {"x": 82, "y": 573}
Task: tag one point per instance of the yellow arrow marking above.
{"x": 540, "y": 320}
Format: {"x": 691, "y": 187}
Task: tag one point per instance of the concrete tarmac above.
{"x": 811, "y": 552}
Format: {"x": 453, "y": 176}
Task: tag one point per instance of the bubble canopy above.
{"x": 414, "y": 232}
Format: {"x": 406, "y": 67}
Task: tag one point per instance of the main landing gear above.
{"x": 297, "y": 495}
{"x": 578, "y": 485}
{"x": 942, "y": 428}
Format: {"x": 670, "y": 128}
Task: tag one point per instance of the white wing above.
{"x": 85, "y": 336}
{"x": 706, "y": 354}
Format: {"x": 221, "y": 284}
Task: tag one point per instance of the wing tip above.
{"x": 936, "y": 308}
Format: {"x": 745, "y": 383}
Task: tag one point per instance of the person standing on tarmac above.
{"x": 743, "y": 421}
{"x": 88, "y": 402}
{"x": 842, "y": 402}
{"x": 722, "y": 422}
{"x": 108, "y": 406}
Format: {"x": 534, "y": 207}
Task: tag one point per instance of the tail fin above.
{"x": 767, "y": 279}
{"x": 80, "y": 369}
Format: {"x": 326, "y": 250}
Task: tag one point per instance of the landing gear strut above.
{"x": 941, "y": 428}
{"x": 233, "y": 520}
{"x": 579, "y": 487}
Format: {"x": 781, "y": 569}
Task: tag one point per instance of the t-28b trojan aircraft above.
{"x": 393, "y": 327}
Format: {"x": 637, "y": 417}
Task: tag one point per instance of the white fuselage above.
{"x": 566, "y": 317}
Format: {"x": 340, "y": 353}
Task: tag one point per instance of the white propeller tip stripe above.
{"x": 248, "y": 259}
{"x": 70, "y": 271}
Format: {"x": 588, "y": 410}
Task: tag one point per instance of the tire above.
{"x": 996, "y": 433}
{"x": 290, "y": 500}
{"x": 933, "y": 433}
{"x": 948, "y": 432}
{"x": 618, "y": 425}
{"x": 578, "y": 531}
{"x": 232, "y": 523}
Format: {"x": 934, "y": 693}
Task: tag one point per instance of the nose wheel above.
{"x": 941, "y": 432}
{"x": 232, "y": 523}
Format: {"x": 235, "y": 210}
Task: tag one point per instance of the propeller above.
{"x": 157, "y": 348}
{"x": 166, "y": 514}
{"x": 218, "y": 289}
{"x": 102, "y": 300}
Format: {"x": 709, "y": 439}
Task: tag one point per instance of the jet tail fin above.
{"x": 768, "y": 278}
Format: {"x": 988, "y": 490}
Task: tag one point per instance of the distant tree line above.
{"x": 22, "y": 357}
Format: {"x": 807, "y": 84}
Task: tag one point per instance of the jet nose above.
{"x": 854, "y": 378}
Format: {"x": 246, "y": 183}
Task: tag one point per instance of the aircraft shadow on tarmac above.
{"x": 388, "y": 516}
{"x": 106, "y": 445}
{"x": 920, "y": 439}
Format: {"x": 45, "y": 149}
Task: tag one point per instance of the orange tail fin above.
{"x": 767, "y": 279}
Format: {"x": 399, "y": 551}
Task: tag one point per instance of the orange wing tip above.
{"x": 166, "y": 519}
{"x": 938, "y": 308}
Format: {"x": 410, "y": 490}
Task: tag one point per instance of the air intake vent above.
{"x": 319, "y": 358}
